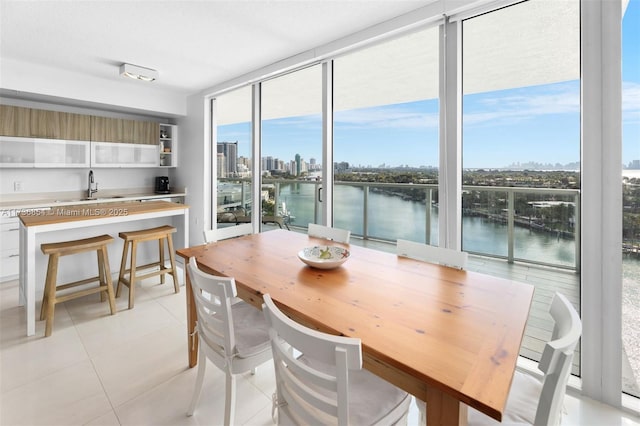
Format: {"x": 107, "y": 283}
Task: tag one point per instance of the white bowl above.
{"x": 324, "y": 257}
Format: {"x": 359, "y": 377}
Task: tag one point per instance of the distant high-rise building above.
{"x": 298, "y": 165}
{"x": 268, "y": 163}
{"x": 342, "y": 166}
{"x": 244, "y": 161}
{"x": 230, "y": 152}
{"x": 222, "y": 165}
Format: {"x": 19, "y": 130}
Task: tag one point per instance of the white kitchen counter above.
{"x": 80, "y": 221}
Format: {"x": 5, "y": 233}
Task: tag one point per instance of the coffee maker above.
{"x": 162, "y": 185}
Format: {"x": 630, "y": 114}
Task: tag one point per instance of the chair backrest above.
{"x": 227, "y": 232}
{"x": 426, "y": 253}
{"x": 212, "y": 296}
{"x": 336, "y": 234}
{"x": 556, "y": 359}
{"x": 306, "y": 394}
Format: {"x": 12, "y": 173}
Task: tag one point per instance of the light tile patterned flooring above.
{"x": 131, "y": 369}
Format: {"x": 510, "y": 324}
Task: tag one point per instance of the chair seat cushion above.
{"x": 521, "y": 404}
{"x": 371, "y": 398}
{"x": 252, "y": 331}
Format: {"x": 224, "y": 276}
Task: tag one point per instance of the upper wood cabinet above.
{"x": 147, "y": 132}
{"x": 37, "y": 123}
{"x": 119, "y": 130}
{"x": 15, "y": 121}
{"x": 60, "y": 125}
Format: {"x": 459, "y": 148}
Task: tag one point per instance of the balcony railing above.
{"x": 521, "y": 217}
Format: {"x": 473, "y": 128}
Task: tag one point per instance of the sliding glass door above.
{"x": 232, "y": 159}
{"x": 521, "y": 148}
{"x": 386, "y": 119}
{"x": 631, "y": 199}
{"x": 291, "y": 148}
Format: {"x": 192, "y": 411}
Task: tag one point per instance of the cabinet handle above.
{"x": 14, "y": 255}
{"x": 13, "y": 229}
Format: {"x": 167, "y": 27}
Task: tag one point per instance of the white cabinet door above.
{"x": 36, "y": 152}
{"x": 9, "y": 248}
{"x": 108, "y": 154}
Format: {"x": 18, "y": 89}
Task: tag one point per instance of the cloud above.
{"x": 387, "y": 117}
{"x": 631, "y": 102}
{"x": 529, "y": 103}
{"x": 508, "y": 107}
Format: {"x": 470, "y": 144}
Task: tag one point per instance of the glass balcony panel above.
{"x": 233, "y": 158}
{"x": 545, "y": 228}
{"x": 630, "y": 200}
{"x": 484, "y": 217}
{"x": 292, "y": 145}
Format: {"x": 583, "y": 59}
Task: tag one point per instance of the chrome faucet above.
{"x": 92, "y": 190}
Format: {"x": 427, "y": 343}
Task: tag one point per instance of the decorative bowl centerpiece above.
{"x": 324, "y": 257}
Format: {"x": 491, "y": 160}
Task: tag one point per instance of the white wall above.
{"x": 36, "y": 78}
{"x": 66, "y": 180}
{"x": 193, "y": 171}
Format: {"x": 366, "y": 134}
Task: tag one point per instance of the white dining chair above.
{"x": 329, "y": 233}
{"x": 427, "y": 253}
{"x": 536, "y": 402}
{"x": 212, "y": 235}
{"x": 234, "y": 336}
{"x": 326, "y": 384}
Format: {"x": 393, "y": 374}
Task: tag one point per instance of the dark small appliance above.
{"x": 162, "y": 185}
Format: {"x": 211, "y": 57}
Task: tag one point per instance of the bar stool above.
{"x": 57, "y": 250}
{"x": 132, "y": 238}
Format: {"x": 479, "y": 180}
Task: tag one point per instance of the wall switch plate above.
{"x": 17, "y": 186}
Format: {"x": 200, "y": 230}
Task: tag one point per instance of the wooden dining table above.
{"x": 449, "y": 337}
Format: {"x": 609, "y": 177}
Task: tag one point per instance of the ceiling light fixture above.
{"x": 138, "y": 73}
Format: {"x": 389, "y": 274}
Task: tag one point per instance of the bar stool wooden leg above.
{"x": 108, "y": 282}
{"x": 172, "y": 258}
{"x": 161, "y": 254}
{"x": 51, "y": 294}
{"x": 123, "y": 267}
{"x": 101, "y": 274}
{"x": 47, "y": 288}
{"x": 132, "y": 273}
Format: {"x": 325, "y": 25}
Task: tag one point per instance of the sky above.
{"x": 531, "y": 124}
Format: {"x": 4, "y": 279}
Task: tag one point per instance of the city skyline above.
{"x": 538, "y": 124}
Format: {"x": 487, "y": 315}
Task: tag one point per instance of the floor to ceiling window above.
{"x": 631, "y": 199}
{"x": 291, "y": 146}
{"x": 386, "y": 138}
{"x": 231, "y": 156}
{"x": 521, "y": 174}
{"x": 521, "y": 145}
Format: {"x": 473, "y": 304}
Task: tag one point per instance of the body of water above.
{"x": 390, "y": 217}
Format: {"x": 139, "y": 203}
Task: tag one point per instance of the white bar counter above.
{"x": 82, "y": 221}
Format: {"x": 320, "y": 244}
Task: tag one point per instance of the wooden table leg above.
{"x": 443, "y": 409}
{"x": 192, "y": 339}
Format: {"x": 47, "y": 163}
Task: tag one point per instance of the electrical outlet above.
{"x": 17, "y": 186}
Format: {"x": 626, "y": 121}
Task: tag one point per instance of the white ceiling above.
{"x": 79, "y": 45}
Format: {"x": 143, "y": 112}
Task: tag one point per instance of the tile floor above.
{"x": 131, "y": 369}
